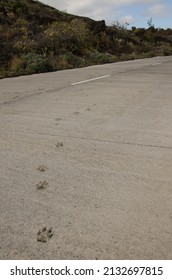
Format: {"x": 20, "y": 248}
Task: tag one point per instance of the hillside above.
{"x": 37, "y": 38}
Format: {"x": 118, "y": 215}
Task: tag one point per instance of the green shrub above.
{"x": 16, "y": 65}
{"x": 63, "y": 62}
{"x": 3, "y": 72}
{"x": 69, "y": 60}
{"x": 168, "y": 50}
{"x": 35, "y": 63}
{"x": 75, "y": 61}
{"x": 100, "y": 58}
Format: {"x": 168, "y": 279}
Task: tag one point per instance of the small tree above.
{"x": 150, "y": 22}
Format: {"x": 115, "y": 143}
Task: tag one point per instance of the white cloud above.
{"x": 109, "y": 10}
{"x": 127, "y": 19}
{"x": 83, "y": 6}
{"x": 158, "y": 10}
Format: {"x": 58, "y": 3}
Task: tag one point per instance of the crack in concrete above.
{"x": 97, "y": 140}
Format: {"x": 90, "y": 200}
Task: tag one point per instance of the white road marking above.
{"x": 90, "y": 80}
{"x": 156, "y": 64}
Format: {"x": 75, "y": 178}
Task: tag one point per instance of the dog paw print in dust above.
{"x": 44, "y": 234}
{"x": 59, "y": 144}
{"x": 42, "y": 168}
{"x": 42, "y": 185}
{"x": 76, "y": 113}
{"x": 58, "y": 120}
{"x": 88, "y": 109}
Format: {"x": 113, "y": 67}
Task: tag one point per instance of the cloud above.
{"x": 158, "y": 10}
{"x": 127, "y": 19}
{"x": 89, "y": 7}
{"x": 109, "y": 10}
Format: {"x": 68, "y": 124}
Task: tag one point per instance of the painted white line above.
{"x": 90, "y": 80}
{"x": 156, "y": 64}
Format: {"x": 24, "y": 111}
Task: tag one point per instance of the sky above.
{"x": 134, "y": 12}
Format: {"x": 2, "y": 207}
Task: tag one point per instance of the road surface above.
{"x": 87, "y": 152}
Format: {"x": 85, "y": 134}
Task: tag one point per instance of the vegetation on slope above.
{"x": 37, "y": 38}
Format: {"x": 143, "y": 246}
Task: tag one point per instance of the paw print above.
{"x": 44, "y": 234}
{"x": 42, "y": 168}
{"x": 59, "y": 144}
{"x": 76, "y": 113}
{"x": 58, "y": 119}
{"x": 42, "y": 185}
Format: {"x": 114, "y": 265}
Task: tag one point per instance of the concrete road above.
{"x": 87, "y": 152}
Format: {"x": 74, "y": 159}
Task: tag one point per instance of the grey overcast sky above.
{"x": 134, "y": 12}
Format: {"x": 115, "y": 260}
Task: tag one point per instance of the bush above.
{"x": 63, "y": 62}
{"x": 168, "y": 50}
{"x": 100, "y": 58}
{"x": 69, "y": 60}
{"x": 35, "y": 63}
{"x": 75, "y": 61}
{"x": 66, "y": 37}
{"x": 3, "y": 73}
{"x": 16, "y": 65}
